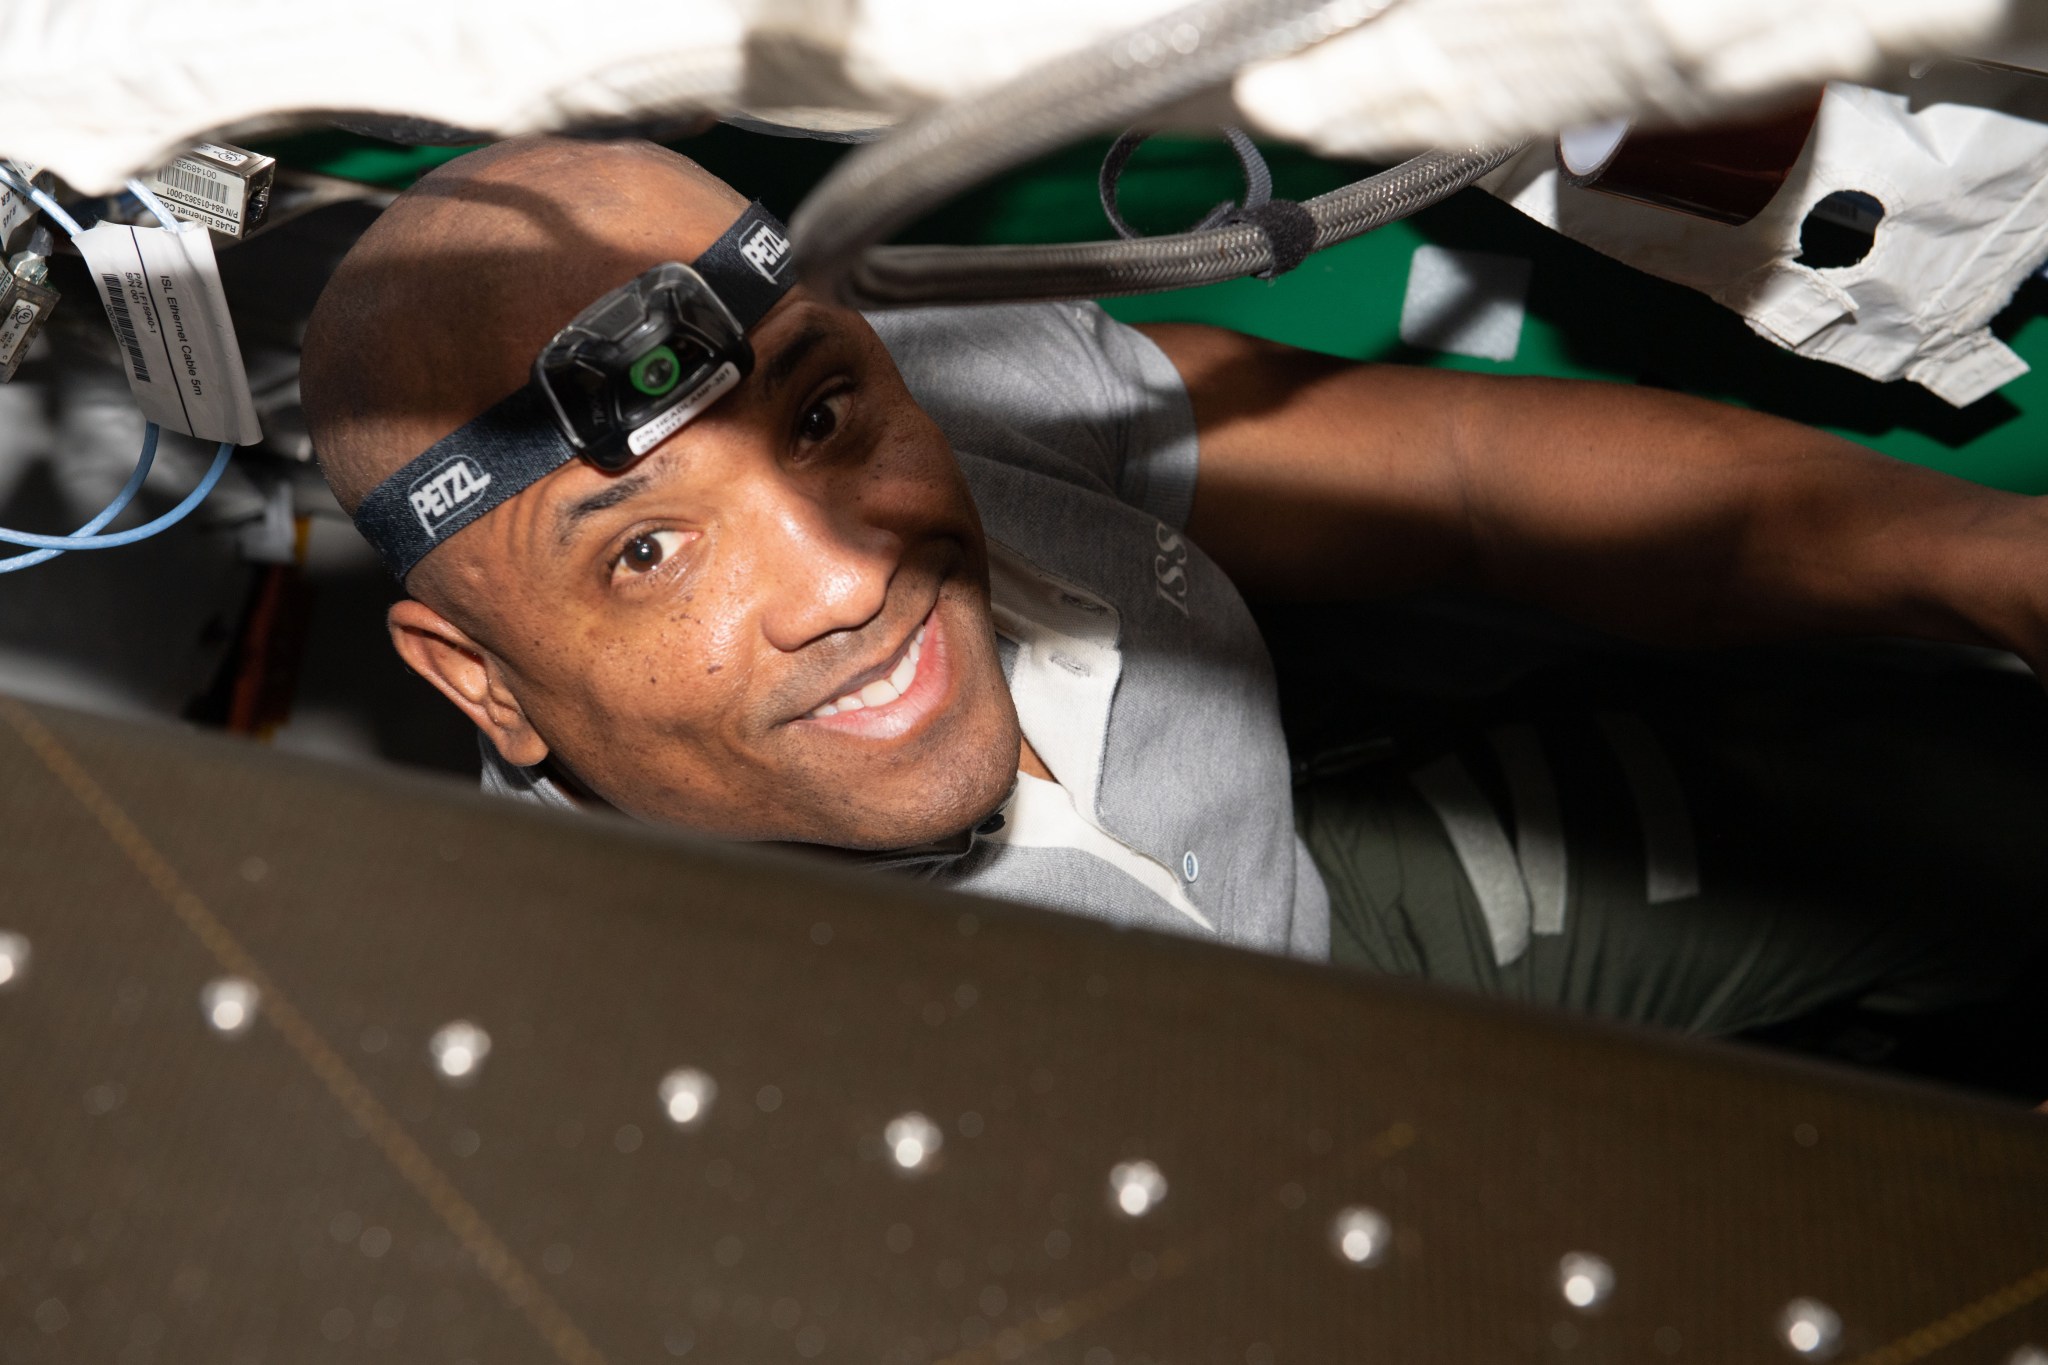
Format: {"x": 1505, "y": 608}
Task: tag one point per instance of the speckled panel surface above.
{"x": 315, "y": 1189}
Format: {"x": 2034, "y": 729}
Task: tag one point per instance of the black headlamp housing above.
{"x": 643, "y": 360}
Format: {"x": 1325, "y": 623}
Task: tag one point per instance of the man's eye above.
{"x": 820, "y": 420}
{"x": 646, "y": 551}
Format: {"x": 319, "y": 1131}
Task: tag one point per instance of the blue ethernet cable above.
{"x": 155, "y": 205}
{"x": 30, "y": 558}
{"x": 113, "y": 540}
{"x": 86, "y": 537}
{"x": 39, "y": 199}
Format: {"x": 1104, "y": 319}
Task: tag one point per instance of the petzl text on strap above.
{"x": 748, "y": 266}
{"x": 515, "y": 443}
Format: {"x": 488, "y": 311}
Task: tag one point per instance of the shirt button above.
{"x": 1190, "y": 867}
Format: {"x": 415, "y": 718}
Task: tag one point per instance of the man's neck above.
{"x": 1030, "y": 764}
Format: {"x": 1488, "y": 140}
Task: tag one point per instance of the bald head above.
{"x": 439, "y": 309}
{"x": 676, "y": 639}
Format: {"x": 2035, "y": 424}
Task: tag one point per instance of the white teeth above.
{"x": 905, "y": 671}
{"x": 882, "y": 691}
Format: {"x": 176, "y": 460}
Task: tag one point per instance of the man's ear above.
{"x": 441, "y": 652}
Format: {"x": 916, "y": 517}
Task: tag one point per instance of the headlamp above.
{"x": 638, "y": 364}
{"x": 627, "y": 373}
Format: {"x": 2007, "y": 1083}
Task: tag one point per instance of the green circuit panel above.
{"x": 1588, "y": 317}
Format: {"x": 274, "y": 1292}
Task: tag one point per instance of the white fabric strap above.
{"x": 1484, "y": 852}
{"x": 1671, "y": 861}
{"x": 1539, "y": 828}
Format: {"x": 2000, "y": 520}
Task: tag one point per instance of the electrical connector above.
{"x": 26, "y": 301}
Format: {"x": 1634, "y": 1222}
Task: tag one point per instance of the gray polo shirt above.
{"x": 1139, "y": 675}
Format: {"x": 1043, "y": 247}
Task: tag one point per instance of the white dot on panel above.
{"x": 230, "y": 1005}
{"x": 13, "y": 959}
{"x": 686, "y": 1095}
{"x": 1361, "y": 1235}
{"x": 1190, "y": 865}
{"x": 1585, "y": 1281}
{"x": 913, "y": 1140}
{"x": 1811, "y": 1328}
{"x": 458, "y": 1050}
{"x": 1136, "y": 1187}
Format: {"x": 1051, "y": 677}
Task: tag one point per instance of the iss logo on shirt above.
{"x": 766, "y": 250}
{"x": 1170, "y": 568}
{"x": 445, "y": 490}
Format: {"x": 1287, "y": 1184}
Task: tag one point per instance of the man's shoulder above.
{"x": 1061, "y": 390}
{"x": 998, "y": 332}
{"x": 1003, "y": 359}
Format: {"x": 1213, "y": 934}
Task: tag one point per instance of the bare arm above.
{"x": 1651, "y": 514}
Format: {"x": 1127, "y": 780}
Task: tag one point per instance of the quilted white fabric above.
{"x": 1959, "y": 160}
{"x": 98, "y": 89}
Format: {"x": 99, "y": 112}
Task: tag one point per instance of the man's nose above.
{"x": 821, "y": 565}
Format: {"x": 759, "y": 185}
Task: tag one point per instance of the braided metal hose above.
{"x": 905, "y": 276}
{"x": 1109, "y": 85}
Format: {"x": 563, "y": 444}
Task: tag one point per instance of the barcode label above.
{"x": 183, "y": 175}
{"x": 163, "y": 298}
{"x": 124, "y": 325}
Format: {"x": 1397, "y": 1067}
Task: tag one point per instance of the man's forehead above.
{"x": 554, "y": 506}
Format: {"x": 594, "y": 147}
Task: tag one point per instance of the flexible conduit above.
{"x": 889, "y": 184}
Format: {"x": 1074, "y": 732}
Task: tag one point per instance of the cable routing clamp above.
{"x": 1288, "y": 227}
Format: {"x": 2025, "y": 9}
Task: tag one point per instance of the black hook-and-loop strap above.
{"x": 1289, "y": 229}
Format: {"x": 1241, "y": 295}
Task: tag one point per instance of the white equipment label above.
{"x": 15, "y": 209}
{"x": 197, "y": 190}
{"x": 163, "y": 297}
{"x": 15, "y": 323}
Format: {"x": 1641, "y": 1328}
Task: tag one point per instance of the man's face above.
{"x": 776, "y": 626}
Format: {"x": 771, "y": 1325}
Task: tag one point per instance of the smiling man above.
{"x": 927, "y": 585}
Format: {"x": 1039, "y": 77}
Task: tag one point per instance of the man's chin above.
{"x": 888, "y": 826}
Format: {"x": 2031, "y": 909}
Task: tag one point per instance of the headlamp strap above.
{"x": 515, "y": 443}
{"x": 748, "y": 266}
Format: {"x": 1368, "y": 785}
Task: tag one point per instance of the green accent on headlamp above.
{"x": 655, "y": 373}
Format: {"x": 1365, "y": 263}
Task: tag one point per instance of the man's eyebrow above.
{"x": 626, "y": 486}
{"x": 784, "y": 362}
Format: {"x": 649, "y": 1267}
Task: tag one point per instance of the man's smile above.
{"x": 892, "y": 698}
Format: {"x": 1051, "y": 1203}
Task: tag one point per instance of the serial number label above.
{"x": 204, "y": 192}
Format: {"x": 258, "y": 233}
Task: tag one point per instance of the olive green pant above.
{"x": 1708, "y": 857}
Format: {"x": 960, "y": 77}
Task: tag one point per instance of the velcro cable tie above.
{"x": 1289, "y": 229}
